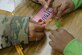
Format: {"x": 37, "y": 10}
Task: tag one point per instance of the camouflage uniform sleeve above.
{"x": 18, "y": 30}
{"x": 13, "y": 30}
{"x": 4, "y": 42}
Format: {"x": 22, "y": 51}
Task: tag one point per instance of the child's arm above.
{"x": 77, "y": 3}
{"x": 64, "y": 42}
{"x": 73, "y": 48}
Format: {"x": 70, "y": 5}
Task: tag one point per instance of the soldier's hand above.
{"x": 36, "y": 31}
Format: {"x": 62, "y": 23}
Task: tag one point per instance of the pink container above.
{"x": 43, "y": 16}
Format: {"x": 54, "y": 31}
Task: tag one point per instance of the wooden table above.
{"x": 71, "y": 22}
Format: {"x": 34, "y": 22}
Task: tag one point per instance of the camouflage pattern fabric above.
{"x": 13, "y": 30}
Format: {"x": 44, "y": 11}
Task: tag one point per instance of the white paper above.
{"x": 9, "y": 5}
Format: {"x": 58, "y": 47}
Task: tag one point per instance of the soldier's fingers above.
{"x": 36, "y": 36}
{"x": 39, "y": 28}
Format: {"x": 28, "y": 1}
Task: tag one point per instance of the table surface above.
{"x": 71, "y": 22}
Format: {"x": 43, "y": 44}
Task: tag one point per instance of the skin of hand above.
{"x": 44, "y": 3}
{"x": 59, "y": 39}
{"x": 62, "y": 7}
{"x": 36, "y": 31}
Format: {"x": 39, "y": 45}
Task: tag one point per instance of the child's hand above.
{"x": 36, "y": 32}
{"x": 59, "y": 39}
{"x": 45, "y": 3}
{"x": 62, "y": 7}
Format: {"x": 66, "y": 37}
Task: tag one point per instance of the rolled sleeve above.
{"x": 74, "y": 47}
{"x": 77, "y": 3}
{"x": 18, "y": 29}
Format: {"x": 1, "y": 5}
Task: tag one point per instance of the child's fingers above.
{"x": 61, "y": 9}
{"x": 59, "y": 13}
{"x": 54, "y": 33}
{"x": 52, "y": 44}
{"x": 66, "y": 11}
{"x": 57, "y": 3}
{"x": 43, "y": 2}
{"x": 55, "y": 11}
{"x": 55, "y": 6}
{"x": 52, "y": 37}
{"x": 48, "y": 2}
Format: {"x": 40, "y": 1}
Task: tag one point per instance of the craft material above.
{"x": 43, "y": 16}
{"x": 19, "y": 49}
{"x": 58, "y": 23}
